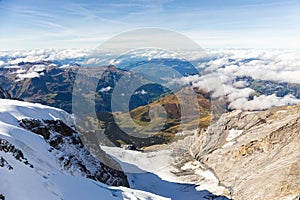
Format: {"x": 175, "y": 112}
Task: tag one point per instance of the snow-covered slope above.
{"x": 155, "y": 171}
{"x": 29, "y": 168}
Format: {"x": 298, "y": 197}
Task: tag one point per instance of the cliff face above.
{"x": 4, "y": 94}
{"x": 255, "y": 155}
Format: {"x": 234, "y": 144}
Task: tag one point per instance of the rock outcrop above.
{"x": 7, "y": 147}
{"x": 5, "y": 164}
{"x": 72, "y": 155}
{"x": 4, "y": 94}
{"x": 255, "y": 155}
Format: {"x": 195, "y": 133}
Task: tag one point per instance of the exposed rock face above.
{"x": 4, "y": 94}
{"x": 256, "y": 155}
{"x": 4, "y": 163}
{"x": 53, "y": 85}
{"x": 72, "y": 154}
{"x": 7, "y": 147}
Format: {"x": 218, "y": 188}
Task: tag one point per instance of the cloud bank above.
{"x": 219, "y": 76}
{"x": 219, "y": 70}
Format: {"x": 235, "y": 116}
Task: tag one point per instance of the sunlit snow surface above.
{"x": 46, "y": 180}
{"x": 152, "y": 172}
{"x": 149, "y": 173}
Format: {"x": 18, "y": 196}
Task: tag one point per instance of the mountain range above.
{"x": 224, "y": 153}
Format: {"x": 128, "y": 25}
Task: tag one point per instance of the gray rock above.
{"x": 254, "y": 154}
{"x": 74, "y": 157}
{"x": 4, "y": 94}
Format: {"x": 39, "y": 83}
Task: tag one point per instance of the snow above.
{"x": 205, "y": 173}
{"x": 12, "y": 67}
{"x": 106, "y": 89}
{"x": 228, "y": 144}
{"x": 152, "y": 172}
{"x": 87, "y": 189}
{"x": 20, "y": 71}
{"x": 232, "y": 134}
{"x": 28, "y": 75}
{"x": 142, "y": 92}
{"x": 152, "y": 162}
{"x": 46, "y": 180}
{"x": 149, "y": 173}
{"x": 12, "y": 110}
{"x": 210, "y": 182}
{"x": 38, "y": 68}
{"x": 34, "y": 71}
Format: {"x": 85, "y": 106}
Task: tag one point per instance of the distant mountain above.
{"x": 45, "y": 82}
{"x": 268, "y": 87}
{"x": 183, "y": 67}
{"x": 146, "y": 131}
{"x": 41, "y": 82}
{"x": 49, "y": 84}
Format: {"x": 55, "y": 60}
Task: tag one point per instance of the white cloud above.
{"x": 218, "y": 76}
{"x": 28, "y": 75}
{"x": 240, "y": 84}
{"x": 277, "y": 65}
{"x": 185, "y": 80}
{"x": 142, "y": 92}
{"x": 18, "y": 56}
{"x": 106, "y": 89}
{"x": 33, "y": 72}
{"x": 240, "y": 93}
{"x": 263, "y": 102}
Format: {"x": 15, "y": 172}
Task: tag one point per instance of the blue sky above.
{"x": 32, "y": 24}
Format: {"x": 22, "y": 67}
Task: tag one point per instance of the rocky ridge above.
{"x": 254, "y": 154}
{"x": 72, "y": 155}
{"x": 7, "y": 147}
